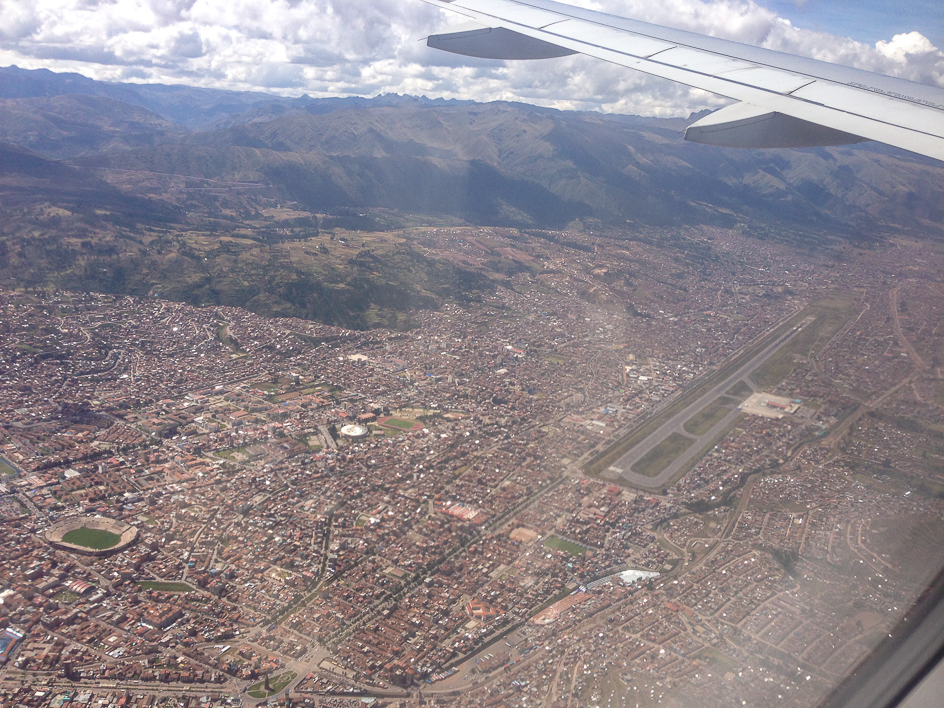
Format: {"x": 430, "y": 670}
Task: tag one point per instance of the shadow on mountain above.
{"x": 27, "y": 179}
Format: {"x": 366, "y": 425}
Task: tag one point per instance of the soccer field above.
{"x": 96, "y": 539}
{"x": 559, "y": 544}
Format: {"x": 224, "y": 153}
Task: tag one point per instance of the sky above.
{"x": 368, "y": 47}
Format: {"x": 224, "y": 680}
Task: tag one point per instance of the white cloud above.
{"x": 365, "y": 47}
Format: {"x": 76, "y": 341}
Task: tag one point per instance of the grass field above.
{"x": 164, "y": 586}
{"x": 831, "y": 314}
{"x": 276, "y": 684}
{"x": 96, "y": 539}
{"x": 706, "y": 448}
{"x": 705, "y": 419}
{"x": 400, "y": 423}
{"x": 662, "y": 455}
{"x": 559, "y": 544}
{"x": 740, "y": 390}
{"x": 6, "y": 468}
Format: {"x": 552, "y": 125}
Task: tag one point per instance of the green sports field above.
{"x": 559, "y": 544}
{"x": 96, "y": 539}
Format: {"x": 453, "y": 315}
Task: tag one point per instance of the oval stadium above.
{"x": 91, "y": 535}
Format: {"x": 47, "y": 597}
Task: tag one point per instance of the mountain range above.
{"x": 498, "y": 163}
{"x": 310, "y": 207}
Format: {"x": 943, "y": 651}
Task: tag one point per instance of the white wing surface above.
{"x": 783, "y": 100}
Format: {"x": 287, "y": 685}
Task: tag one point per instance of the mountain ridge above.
{"x": 324, "y": 211}
{"x": 192, "y": 107}
{"x": 495, "y": 164}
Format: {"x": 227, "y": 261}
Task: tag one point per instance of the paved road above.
{"x": 622, "y": 468}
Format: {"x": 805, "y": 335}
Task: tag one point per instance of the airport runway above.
{"x": 622, "y": 469}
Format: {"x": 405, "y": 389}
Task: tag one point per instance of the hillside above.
{"x": 514, "y": 165}
{"x": 74, "y": 125}
{"x": 313, "y": 212}
{"x": 500, "y": 163}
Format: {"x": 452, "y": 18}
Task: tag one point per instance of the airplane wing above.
{"x": 782, "y": 100}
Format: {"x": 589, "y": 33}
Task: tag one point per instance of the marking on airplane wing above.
{"x": 902, "y": 96}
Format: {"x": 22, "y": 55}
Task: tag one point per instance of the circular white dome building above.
{"x": 355, "y": 432}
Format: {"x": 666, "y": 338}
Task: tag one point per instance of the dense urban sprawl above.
{"x": 334, "y": 517}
